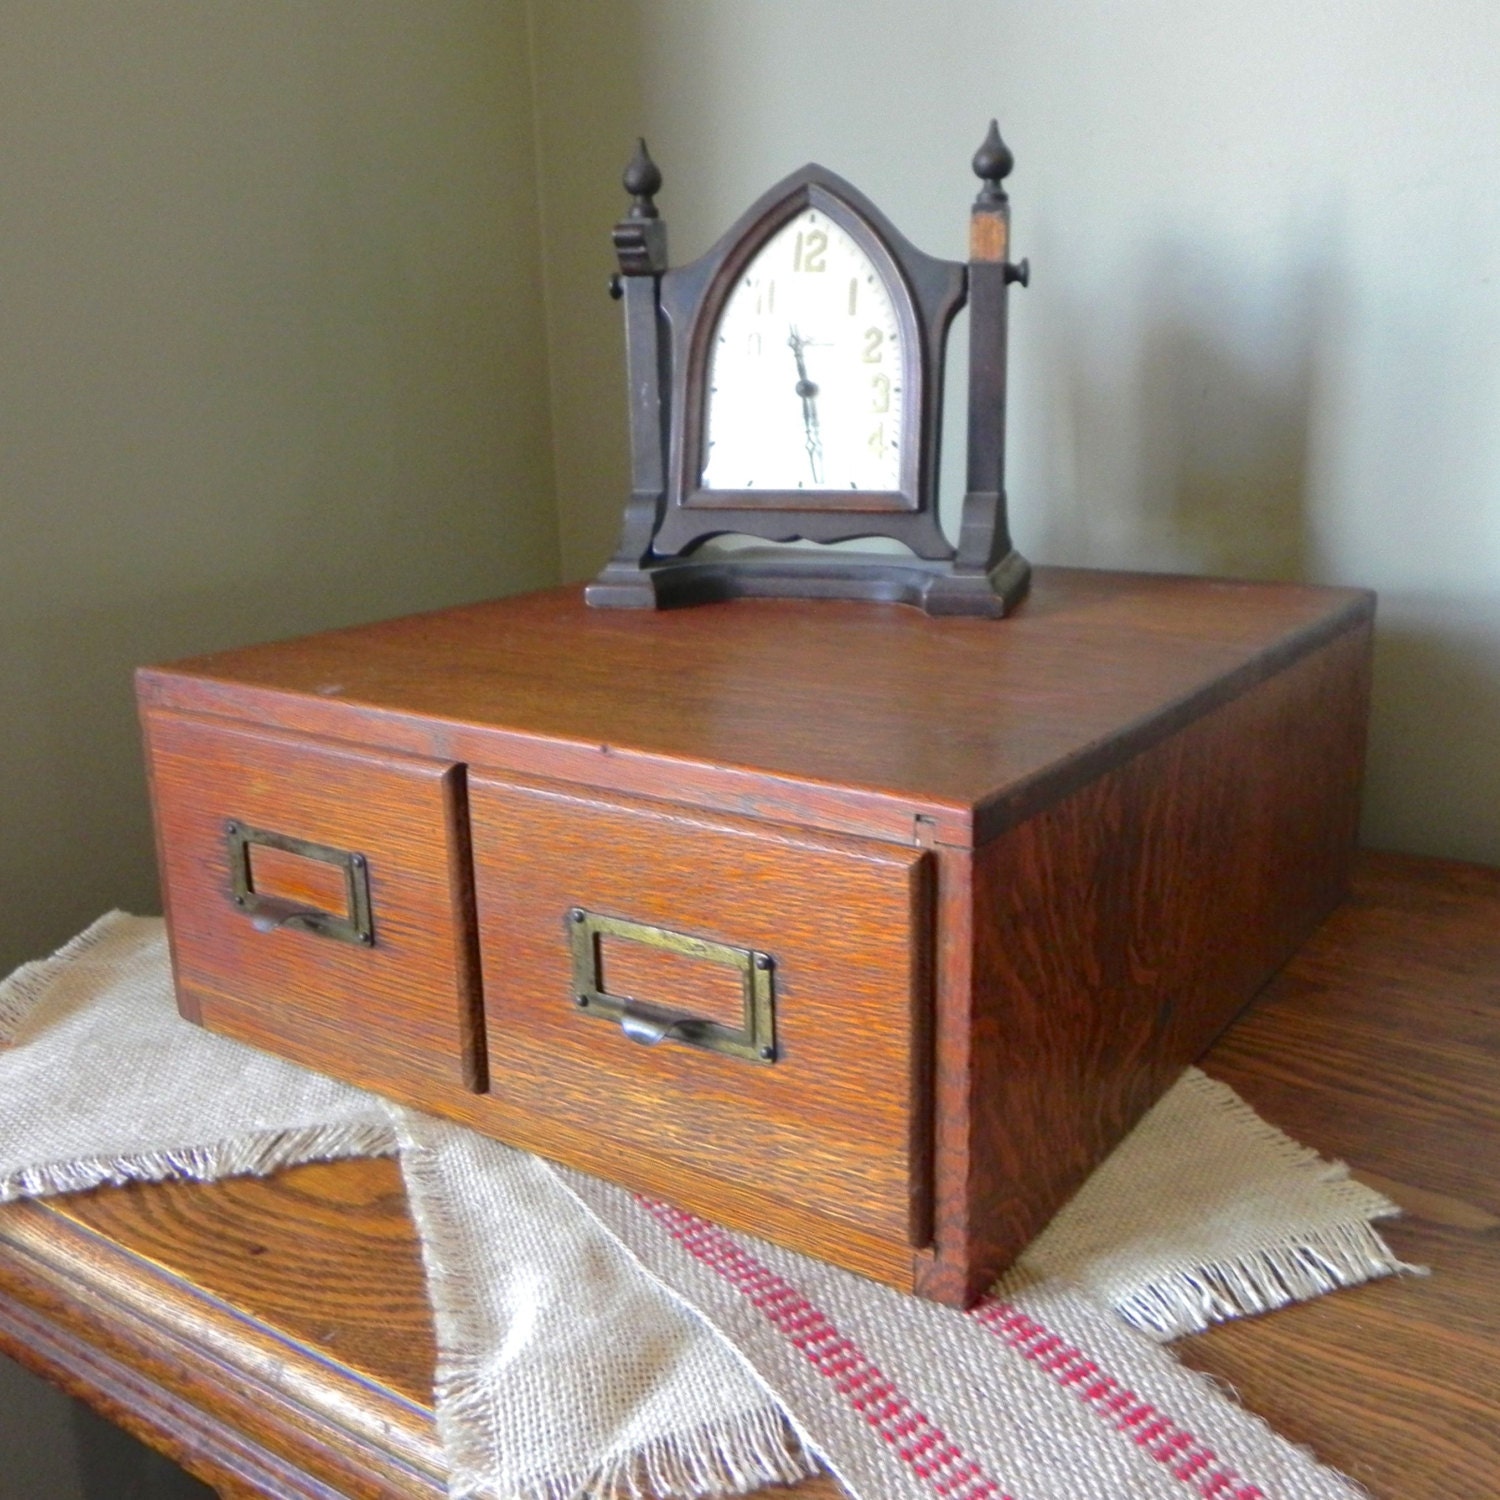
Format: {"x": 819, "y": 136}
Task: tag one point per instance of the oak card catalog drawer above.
{"x": 319, "y": 900}
{"x": 736, "y": 1012}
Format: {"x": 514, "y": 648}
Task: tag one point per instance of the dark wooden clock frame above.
{"x": 670, "y": 318}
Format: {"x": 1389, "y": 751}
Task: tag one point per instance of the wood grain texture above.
{"x": 189, "y": 1316}
{"x": 1380, "y": 1045}
{"x": 1162, "y": 774}
{"x": 828, "y": 1127}
{"x": 294, "y": 877}
{"x": 688, "y": 986}
{"x": 1117, "y": 932}
{"x": 799, "y": 711}
{"x": 405, "y": 1008}
{"x": 1380, "y": 1042}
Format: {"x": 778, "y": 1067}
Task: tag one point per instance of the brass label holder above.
{"x": 355, "y": 924}
{"x": 643, "y": 1022}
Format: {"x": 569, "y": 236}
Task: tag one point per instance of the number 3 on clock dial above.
{"x": 804, "y": 385}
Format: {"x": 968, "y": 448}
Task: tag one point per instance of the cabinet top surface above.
{"x": 875, "y": 699}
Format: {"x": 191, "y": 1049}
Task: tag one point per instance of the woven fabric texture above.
{"x": 101, "y": 1081}
{"x": 1206, "y": 1212}
{"x": 1042, "y": 1394}
{"x": 595, "y": 1343}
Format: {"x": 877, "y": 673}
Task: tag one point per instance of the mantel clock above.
{"x": 787, "y": 386}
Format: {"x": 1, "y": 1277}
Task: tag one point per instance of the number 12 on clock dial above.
{"x": 805, "y": 384}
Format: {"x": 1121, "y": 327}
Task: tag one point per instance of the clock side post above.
{"x": 640, "y": 241}
{"x": 985, "y": 560}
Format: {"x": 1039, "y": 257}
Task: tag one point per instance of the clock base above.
{"x": 937, "y": 587}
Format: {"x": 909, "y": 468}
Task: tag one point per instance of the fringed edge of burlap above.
{"x": 732, "y": 1456}
{"x": 255, "y": 1155}
{"x": 1314, "y": 1261}
{"x": 1323, "y": 1260}
{"x": 24, "y": 990}
{"x": 738, "y": 1453}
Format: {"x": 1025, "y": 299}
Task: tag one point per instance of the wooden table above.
{"x": 273, "y": 1336}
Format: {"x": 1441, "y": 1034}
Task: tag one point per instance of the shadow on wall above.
{"x": 1437, "y": 683}
{"x": 1199, "y": 455}
{"x": 1197, "y": 460}
{"x": 1232, "y": 441}
{"x": 583, "y": 147}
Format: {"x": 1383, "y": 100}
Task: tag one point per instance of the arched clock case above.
{"x": 788, "y": 385}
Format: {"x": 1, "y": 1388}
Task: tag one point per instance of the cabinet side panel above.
{"x": 1119, "y": 931}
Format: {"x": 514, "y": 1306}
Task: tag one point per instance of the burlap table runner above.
{"x": 594, "y": 1342}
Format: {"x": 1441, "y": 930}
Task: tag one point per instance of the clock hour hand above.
{"x": 808, "y": 392}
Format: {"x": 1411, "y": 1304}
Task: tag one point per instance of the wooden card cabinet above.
{"x": 862, "y": 930}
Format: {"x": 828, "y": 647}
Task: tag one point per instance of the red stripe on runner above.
{"x": 1185, "y": 1457}
{"x": 920, "y": 1443}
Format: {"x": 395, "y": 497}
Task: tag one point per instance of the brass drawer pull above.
{"x": 754, "y": 1041}
{"x": 267, "y": 912}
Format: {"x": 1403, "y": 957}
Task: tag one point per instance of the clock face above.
{"x": 805, "y": 370}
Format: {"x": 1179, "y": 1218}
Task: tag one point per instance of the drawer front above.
{"x": 319, "y": 901}
{"x": 738, "y": 1012}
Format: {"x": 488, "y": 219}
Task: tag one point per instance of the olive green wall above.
{"x": 271, "y": 359}
{"x": 1263, "y": 333}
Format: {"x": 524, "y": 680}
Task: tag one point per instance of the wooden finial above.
{"x": 992, "y": 163}
{"x": 642, "y": 181}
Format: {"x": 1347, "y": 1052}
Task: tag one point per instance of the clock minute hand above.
{"x": 813, "y": 441}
